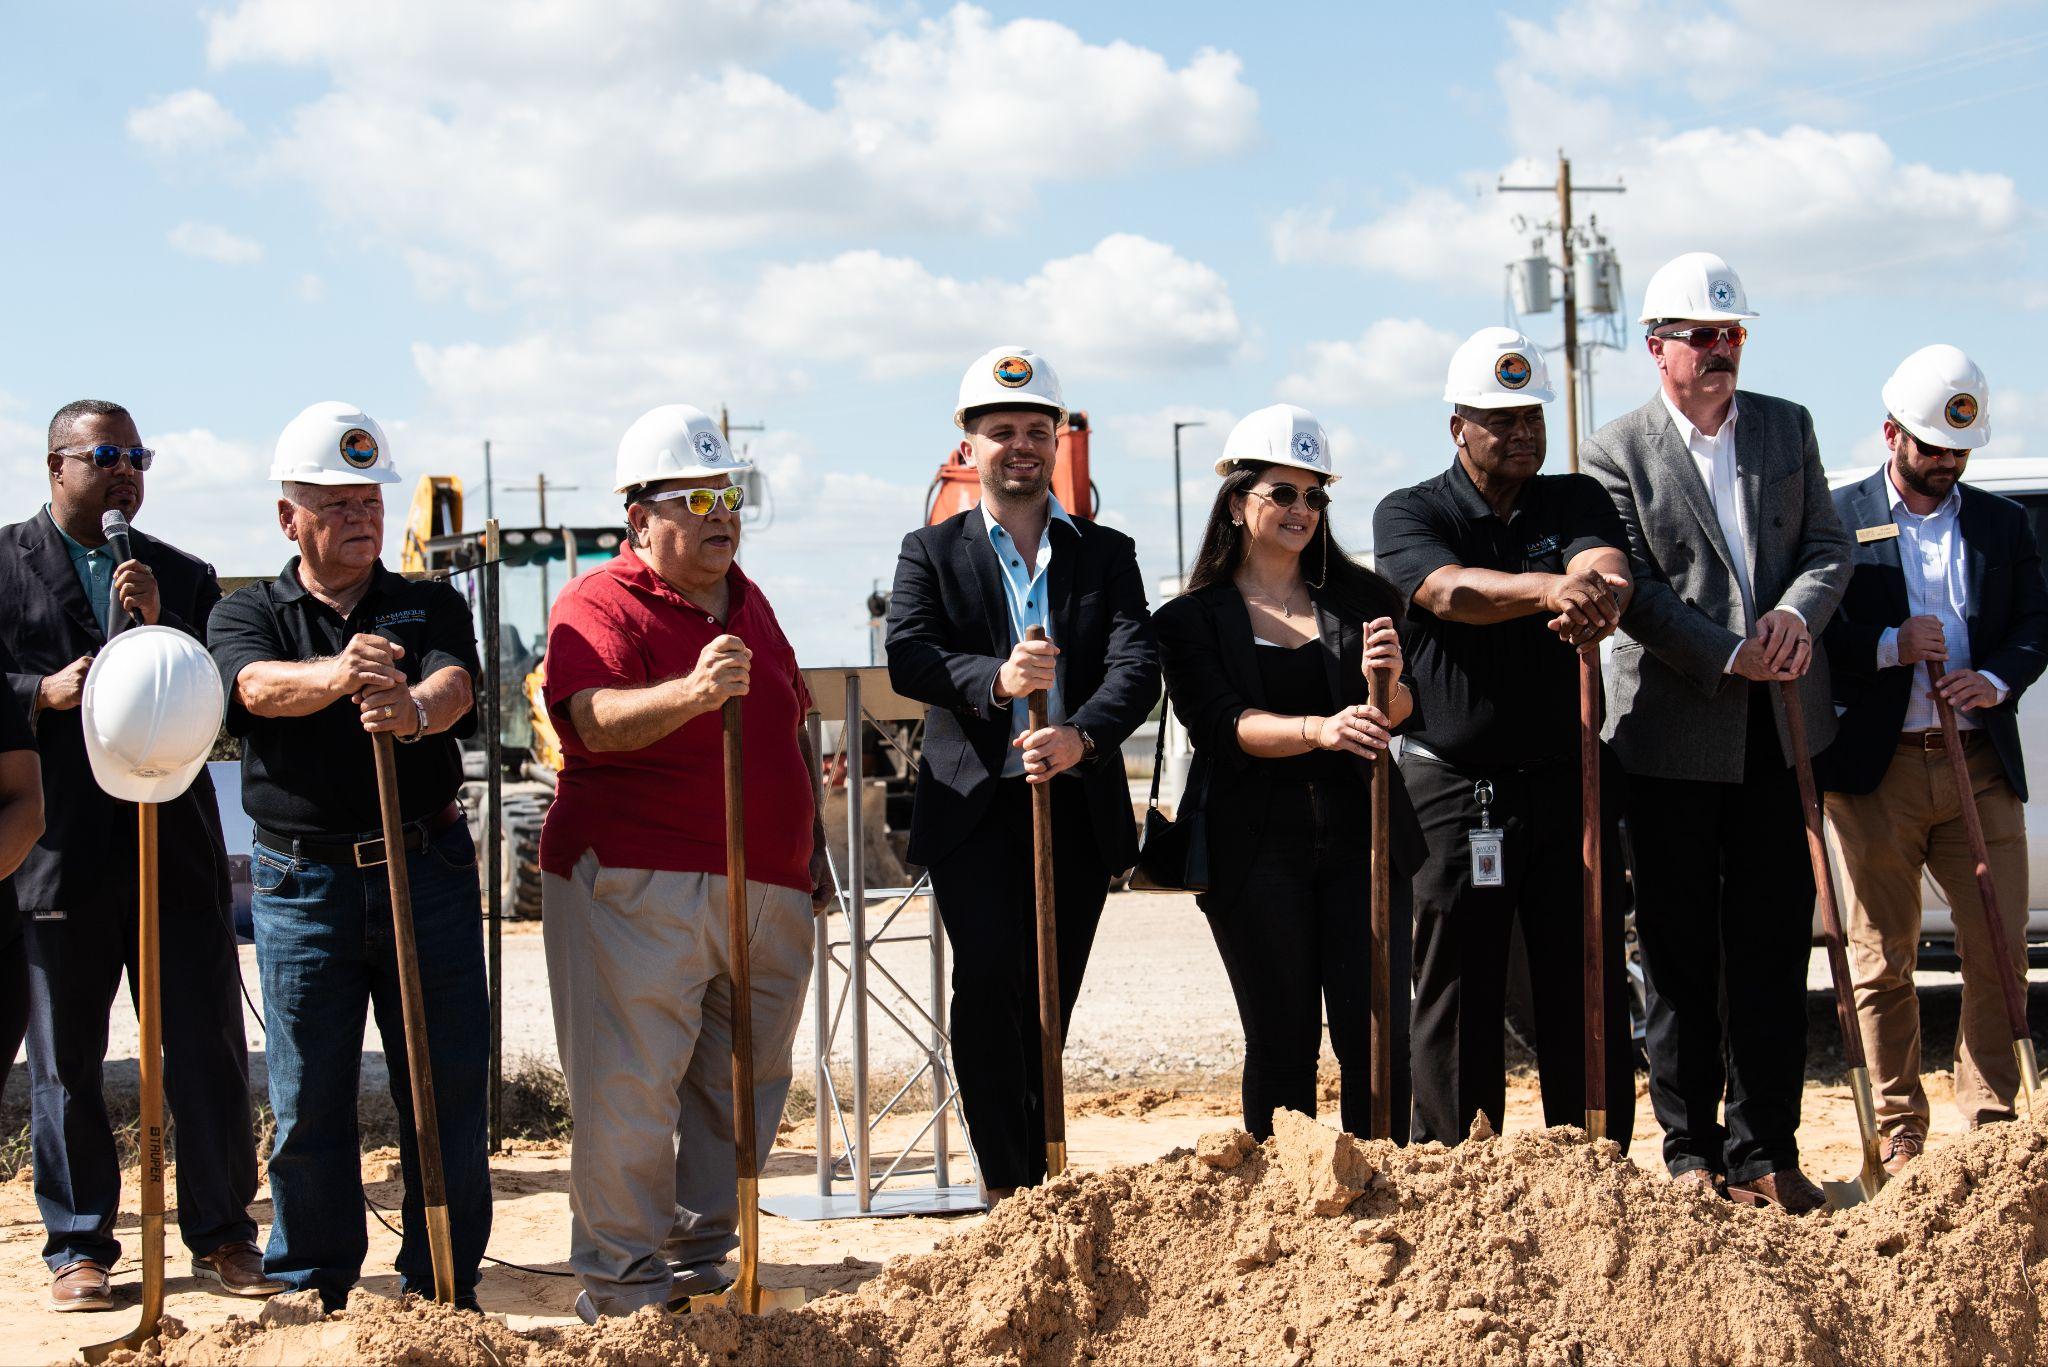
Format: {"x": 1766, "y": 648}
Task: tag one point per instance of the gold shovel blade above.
{"x": 767, "y": 1300}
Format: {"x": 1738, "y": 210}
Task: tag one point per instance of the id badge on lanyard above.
{"x": 1487, "y": 842}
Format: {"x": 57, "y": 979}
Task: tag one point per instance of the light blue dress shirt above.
{"x": 1028, "y": 596}
{"x": 95, "y": 570}
{"x": 1936, "y": 564}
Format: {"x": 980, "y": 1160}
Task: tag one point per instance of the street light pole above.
{"x": 1180, "y": 554}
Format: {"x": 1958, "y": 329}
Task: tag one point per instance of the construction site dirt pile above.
{"x": 1315, "y": 1247}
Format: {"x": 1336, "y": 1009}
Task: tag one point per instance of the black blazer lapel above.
{"x": 979, "y": 562}
{"x": 1234, "y": 643}
{"x": 50, "y": 561}
{"x": 1343, "y": 654}
{"x": 1874, "y": 509}
{"x": 1067, "y": 546}
{"x": 1970, "y": 526}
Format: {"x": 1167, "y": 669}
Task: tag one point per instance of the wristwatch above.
{"x": 419, "y": 732}
{"x": 1087, "y": 744}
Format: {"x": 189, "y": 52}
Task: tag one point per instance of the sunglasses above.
{"x": 107, "y": 457}
{"x": 1704, "y": 337}
{"x": 702, "y": 501}
{"x": 1286, "y": 495}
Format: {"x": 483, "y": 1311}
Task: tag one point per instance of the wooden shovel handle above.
{"x": 1823, "y": 878}
{"x": 1051, "y": 1041}
{"x": 1379, "y": 687}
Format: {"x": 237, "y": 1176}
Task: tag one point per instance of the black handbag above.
{"x": 1173, "y": 855}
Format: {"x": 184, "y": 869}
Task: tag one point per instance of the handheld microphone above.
{"x": 115, "y": 526}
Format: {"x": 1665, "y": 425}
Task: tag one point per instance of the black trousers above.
{"x": 987, "y": 901}
{"x": 74, "y": 969}
{"x": 1296, "y": 940}
{"x": 1462, "y": 937}
{"x": 13, "y": 1003}
{"x": 1724, "y": 914}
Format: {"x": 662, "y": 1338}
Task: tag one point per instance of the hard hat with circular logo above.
{"x": 1940, "y": 396}
{"x": 674, "y": 441}
{"x": 1009, "y": 377}
{"x": 333, "y": 443}
{"x": 151, "y": 711}
{"x": 1278, "y": 435}
{"x": 1698, "y": 287}
{"x": 1497, "y": 367}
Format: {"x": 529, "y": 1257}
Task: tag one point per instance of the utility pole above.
{"x": 1564, "y": 190}
{"x": 490, "y": 504}
{"x": 1180, "y": 555}
{"x": 541, "y": 486}
{"x": 726, "y": 426}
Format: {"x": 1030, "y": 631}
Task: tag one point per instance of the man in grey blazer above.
{"x": 1739, "y": 561}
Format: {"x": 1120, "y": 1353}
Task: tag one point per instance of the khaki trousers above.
{"x": 638, "y": 975}
{"x": 1913, "y": 822}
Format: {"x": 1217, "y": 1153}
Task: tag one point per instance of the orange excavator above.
{"x": 957, "y": 485}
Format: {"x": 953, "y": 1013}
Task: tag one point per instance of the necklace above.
{"x": 1284, "y": 606}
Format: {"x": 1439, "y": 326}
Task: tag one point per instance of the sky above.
{"x": 529, "y": 221}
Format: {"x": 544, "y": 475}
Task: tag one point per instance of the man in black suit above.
{"x": 77, "y": 888}
{"x": 1948, "y": 574}
{"x": 966, "y": 591}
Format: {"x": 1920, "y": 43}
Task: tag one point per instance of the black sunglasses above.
{"x": 107, "y": 457}
{"x": 1285, "y": 496}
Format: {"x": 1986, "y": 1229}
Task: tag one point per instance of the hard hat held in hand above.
{"x": 1699, "y": 287}
{"x": 674, "y": 441}
{"x": 151, "y": 711}
{"x": 333, "y": 443}
{"x": 1009, "y": 377}
{"x": 1940, "y": 396}
{"x": 1278, "y": 435}
{"x": 1497, "y": 367}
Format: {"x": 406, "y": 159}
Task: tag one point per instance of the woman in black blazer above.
{"x": 1265, "y": 654}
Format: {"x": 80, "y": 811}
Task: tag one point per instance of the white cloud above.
{"x": 311, "y": 289}
{"x": 619, "y": 157}
{"x": 1394, "y": 360}
{"x": 1128, "y": 306}
{"x": 189, "y": 121}
{"x": 211, "y": 242}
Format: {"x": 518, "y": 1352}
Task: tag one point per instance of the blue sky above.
{"x": 533, "y": 219}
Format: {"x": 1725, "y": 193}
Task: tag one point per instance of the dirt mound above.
{"x": 1138, "y": 1102}
{"x": 1316, "y": 1247}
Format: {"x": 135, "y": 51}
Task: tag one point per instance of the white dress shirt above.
{"x": 1932, "y": 554}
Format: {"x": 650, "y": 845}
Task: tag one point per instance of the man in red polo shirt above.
{"x": 642, "y": 654}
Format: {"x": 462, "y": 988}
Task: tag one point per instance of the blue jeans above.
{"x": 324, "y": 944}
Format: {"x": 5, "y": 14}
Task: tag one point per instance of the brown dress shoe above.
{"x": 1787, "y": 1189}
{"x": 238, "y": 1270}
{"x": 81, "y": 1286}
{"x": 1715, "y": 1184}
{"x": 1900, "y": 1148}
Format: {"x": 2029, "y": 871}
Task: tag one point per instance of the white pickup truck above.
{"x": 2025, "y": 482}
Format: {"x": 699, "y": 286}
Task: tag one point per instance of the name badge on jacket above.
{"x": 1866, "y": 535}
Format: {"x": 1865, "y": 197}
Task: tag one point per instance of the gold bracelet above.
{"x": 1307, "y": 739}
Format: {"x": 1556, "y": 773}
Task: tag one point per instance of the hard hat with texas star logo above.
{"x": 1279, "y": 434}
{"x": 1698, "y": 287}
{"x": 1009, "y": 377}
{"x": 151, "y": 711}
{"x": 1941, "y": 396}
{"x": 333, "y": 443}
{"x": 1497, "y": 367}
{"x": 674, "y": 441}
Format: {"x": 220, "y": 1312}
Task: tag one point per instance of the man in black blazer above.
{"x": 1948, "y": 574}
{"x": 965, "y": 591}
{"x": 77, "y": 888}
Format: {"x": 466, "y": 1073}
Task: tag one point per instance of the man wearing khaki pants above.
{"x": 1950, "y": 574}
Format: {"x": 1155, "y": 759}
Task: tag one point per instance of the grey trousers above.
{"x": 638, "y": 974}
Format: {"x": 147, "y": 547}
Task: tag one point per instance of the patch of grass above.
{"x": 536, "y": 1100}
{"x": 14, "y": 1153}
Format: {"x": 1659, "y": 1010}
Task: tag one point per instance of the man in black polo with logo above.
{"x": 333, "y": 649}
{"x": 1507, "y": 575}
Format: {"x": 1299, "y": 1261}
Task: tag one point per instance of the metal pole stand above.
{"x": 847, "y": 981}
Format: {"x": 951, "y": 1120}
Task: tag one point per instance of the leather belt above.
{"x": 1411, "y": 746}
{"x": 1927, "y": 742}
{"x": 361, "y": 853}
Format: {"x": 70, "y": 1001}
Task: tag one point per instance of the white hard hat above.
{"x": 1497, "y": 367}
{"x": 674, "y": 441}
{"x": 1940, "y": 396}
{"x": 1278, "y": 435}
{"x": 1009, "y": 377}
{"x": 151, "y": 712}
{"x": 333, "y": 443}
{"x": 1699, "y": 287}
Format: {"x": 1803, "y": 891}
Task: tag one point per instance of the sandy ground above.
{"x": 1156, "y": 1011}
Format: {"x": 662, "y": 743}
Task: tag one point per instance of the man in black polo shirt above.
{"x": 1507, "y": 575}
{"x": 334, "y": 648}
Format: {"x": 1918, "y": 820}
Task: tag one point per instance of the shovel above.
{"x": 1590, "y": 880}
{"x": 746, "y": 1294}
{"x": 2008, "y": 976}
{"x": 426, "y": 1116}
{"x": 1378, "y": 691}
{"x": 149, "y": 1011}
{"x": 1840, "y": 1195}
{"x": 1051, "y": 1043}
